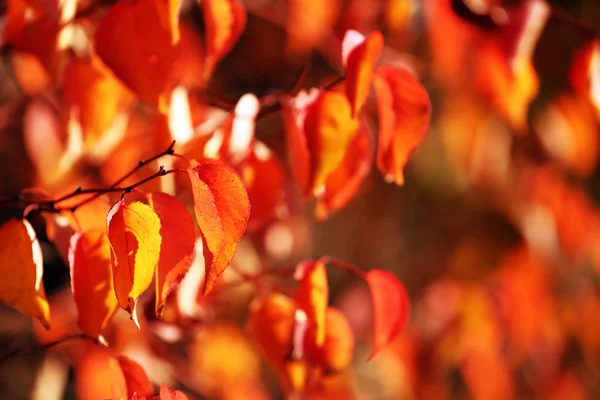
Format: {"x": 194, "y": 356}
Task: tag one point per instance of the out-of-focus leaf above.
{"x": 308, "y": 23}
{"x": 585, "y": 73}
{"x": 99, "y": 375}
{"x": 404, "y": 112}
{"x": 21, "y": 268}
{"x": 272, "y": 323}
{"x": 135, "y": 239}
{"x": 168, "y": 394}
{"x": 94, "y": 97}
{"x": 225, "y": 21}
{"x": 313, "y": 296}
{"x": 135, "y": 378}
{"x": 336, "y": 352}
{"x": 359, "y": 55}
{"x": 391, "y": 307}
{"x": 343, "y": 183}
{"x": 92, "y": 280}
{"x": 222, "y": 210}
{"x": 176, "y": 246}
{"x": 145, "y": 56}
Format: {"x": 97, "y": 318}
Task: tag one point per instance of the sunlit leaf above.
{"x": 222, "y": 210}
{"x": 135, "y": 378}
{"x": 359, "y": 55}
{"x": 313, "y": 296}
{"x": 585, "y": 73}
{"x": 99, "y": 375}
{"x": 145, "y": 56}
{"x": 391, "y": 307}
{"x": 168, "y": 394}
{"x": 176, "y": 247}
{"x": 92, "y": 280}
{"x": 308, "y": 24}
{"x": 135, "y": 240}
{"x": 404, "y": 112}
{"x": 343, "y": 184}
{"x": 21, "y": 268}
{"x": 225, "y": 21}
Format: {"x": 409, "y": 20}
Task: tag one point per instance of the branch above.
{"x": 20, "y": 352}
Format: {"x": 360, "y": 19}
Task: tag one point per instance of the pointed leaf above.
{"x": 134, "y": 234}
{"x": 404, "y": 112}
{"x": 313, "y": 296}
{"x": 294, "y": 113}
{"x": 176, "y": 247}
{"x": 359, "y": 55}
{"x": 135, "y": 378}
{"x": 145, "y": 56}
{"x": 225, "y": 21}
{"x": 92, "y": 280}
{"x": 391, "y": 307}
{"x": 222, "y": 210}
{"x": 21, "y": 268}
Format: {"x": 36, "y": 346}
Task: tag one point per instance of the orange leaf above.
{"x": 134, "y": 234}
{"x": 359, "y": 55}
{"x": 265, "y": 194}
{"x": 93, "y": 96}
{"x": 222, "y": 210}
{"x": 308, "y": 23}
{"x": 404, "y": 112}
{"x": 21, "y": 267}
{"x": 135, "y": 378}
{"x": 144, "y": 58}
{"x": 346, "y": 180}
{"x": 168, "y": 394}
{"x": 176, "y": 247}
{"x": 391, "y": 307}
{"x": 98, "y": 375}
{"x": 313, "y": 296}
{"x": 92, "y": 280}
{"x": 271, "y": 324}
{"x": 321, "y": 123}
{"x": 337, "y": 350}
{"x": 225, "y": 21}
{"x": 585, "y": 73}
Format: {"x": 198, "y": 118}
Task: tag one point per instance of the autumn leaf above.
{"x": 222, "y": 210}
{"x": 94, "y": 97}
{"x": 336, "y": 352}
{"x": 343, "y": 184}
{"x": 136, "y": 380}
{"x": 359, "y": 55}
{"x": 404, "y": 112}
{"x": 176, "y": 247}
{"x": 98, "y": 375}
{"x": 225, "y": 21}
{"x": 135, "y": 240}
{"x": 308, "y": 23}
{"x": 584, "y": 75}
{"x": 92, "y": 280}
{"x": 321, "y": 125}
{"x": 391, "y": 307}
{"x": 21, "y": 267}
{"x": 145, "y": 56}
{"x": 313, "y": 296}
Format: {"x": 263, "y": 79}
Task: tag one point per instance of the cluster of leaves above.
{"x": 106, "y": 65}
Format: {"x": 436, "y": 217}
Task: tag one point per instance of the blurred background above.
{"x": 495, "y": 233}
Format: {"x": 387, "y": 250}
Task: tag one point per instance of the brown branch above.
{"x": 21, "y": 353}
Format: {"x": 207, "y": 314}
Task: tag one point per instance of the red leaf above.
{"x": 135, "y": 377}
{"x": 98, "y": 375}
{"x": 225, "y": 21}
{"x": 359, "y": 55}
{"x": 404, "y": 112}
{"x": 146, "y": 51}
{"x": 92, "y": 280}
{"x": 134, "y": 234}
{"x": 391, "y": 307}
{"x": 222, "y": 210}
{"x": 176, "y": 247}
